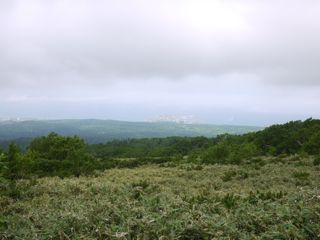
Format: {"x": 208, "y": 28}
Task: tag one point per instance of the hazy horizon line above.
{"x": 24, "y": 119}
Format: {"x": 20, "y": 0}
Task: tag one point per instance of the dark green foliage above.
{"x": 246, "y": 151}
{"x": 316, "y": 160}
{"x": 301, "y": 178}
{"x": 12, "y": 190}
{"x": 258, "y": 161}
{"x": 227, "y": 176}
{"x": 13, "y": 158}
{"x": 11, "y": 168}
{"x": 242, "y": 175}
{"x": 290, "y": 138}
{"x": 55, "y": 147}
{"x": 58, "y": 155}
{"x": 229, "y": 151}
{"x": 312, "y": 146}
{"x": 301, "y": 175}
{"x": 216, "y": 154}
{"x": 230, "y": 200}
{"x": 193, "y": 233}
{"x": 154, "y": 147}
{"x": 254, "y": 198}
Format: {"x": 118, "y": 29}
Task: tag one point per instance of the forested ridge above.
{"x": 64, "y": 155}
{"x": 290, "y": 138}
{"x": 100, "y": 131}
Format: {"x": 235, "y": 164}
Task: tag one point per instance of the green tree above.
{"x": 313, "y": 145}
{"x": 217, "y": 154}
{"x": 58, "y": 155}
{"x": 13, "y": 157}
{"x": 3, "y": 164}
{"x": 247, "y": 150}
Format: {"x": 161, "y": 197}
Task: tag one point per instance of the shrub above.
{"x": 227, "y": 176}
{"x": 259, "y": 161}
{"x": 254, "y": 197}
{"x": 242, "y": 174}
{"x": 247, "y": 150}
{"x": 230, "y": 200}
{"x": 302, "y": 176}
{"x": 13, "y": 163}
{"x": 316, "y": 161}
{"x": 216, "y": 154}
{"x": 193, "y": 233}
{"x": 56, "y": 155}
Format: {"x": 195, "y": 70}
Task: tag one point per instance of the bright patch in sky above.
{"x": 239, "y": 62}
{"x": 211, "y": 16}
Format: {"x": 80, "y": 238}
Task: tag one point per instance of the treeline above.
{"x": 291, "y": 138}
{"x": 56, "y": 155}
{"x": 151, "y": 147}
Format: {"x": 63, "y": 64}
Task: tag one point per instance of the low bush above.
{"x": 316, "y": 161}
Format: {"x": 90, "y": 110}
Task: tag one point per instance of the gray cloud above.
{"x": 66, "y": 48}
{"x": 76, "y": 41}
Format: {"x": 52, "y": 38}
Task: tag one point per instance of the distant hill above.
{"x": 294, "y": 137}
{"x": 99, "y": 131}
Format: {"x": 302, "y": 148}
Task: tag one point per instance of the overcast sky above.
{"x": 232, "y": 62}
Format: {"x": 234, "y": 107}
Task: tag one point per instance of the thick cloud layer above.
{"x": 63, "y": 50}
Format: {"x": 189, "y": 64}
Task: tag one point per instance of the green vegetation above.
{"x": 261, "y": 185}
{"x": 62, "y": 156}
{"x": 298, "y": 137}
{"x": 316, "y": 161}
{"x": 100, "y": 131}
{"x": 166, "y": 202}
{"x": 57, "y": 155}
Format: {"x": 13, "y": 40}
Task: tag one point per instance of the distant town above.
{"x": 185, "y": 119}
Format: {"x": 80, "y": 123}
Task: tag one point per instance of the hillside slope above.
{"x": 97, "y": 131}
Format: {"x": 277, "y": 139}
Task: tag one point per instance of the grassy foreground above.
{"x": 268, "y": 199}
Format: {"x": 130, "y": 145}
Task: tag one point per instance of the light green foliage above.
{"x": 182, "y": 202}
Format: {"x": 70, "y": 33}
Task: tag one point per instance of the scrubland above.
{"x": 264, "y": 198}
